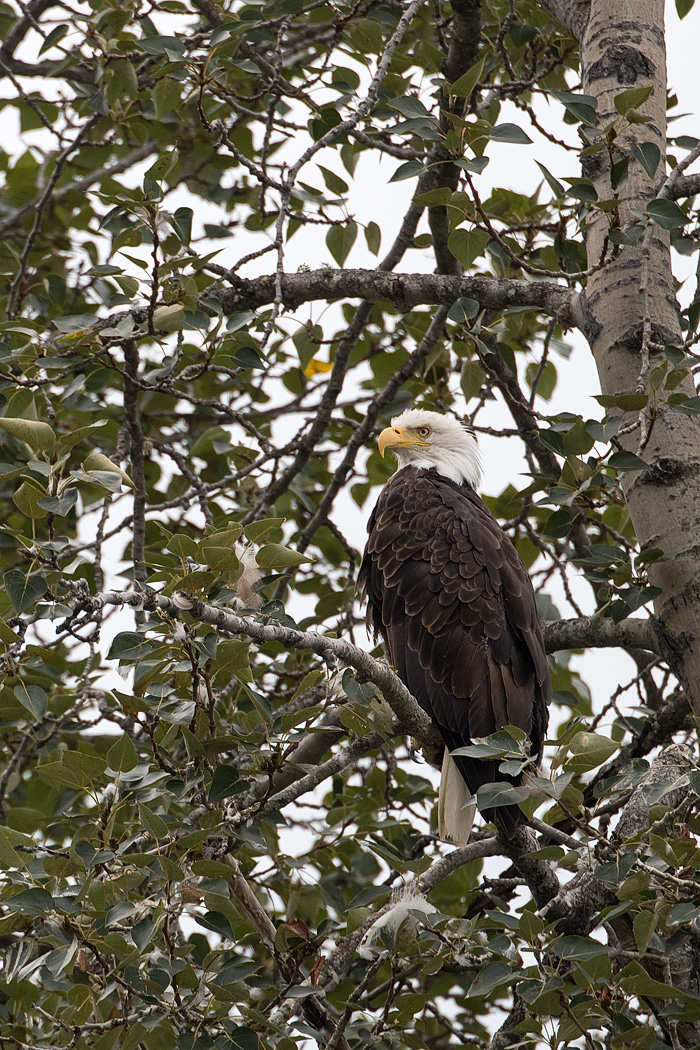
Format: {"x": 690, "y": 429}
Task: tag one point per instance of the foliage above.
{"x": 195, "y": 854}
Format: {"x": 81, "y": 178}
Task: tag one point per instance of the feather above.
{"x": 452, "y": 599}
{"x": 455, "y": 812}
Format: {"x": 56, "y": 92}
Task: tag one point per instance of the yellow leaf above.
{"x": 316, "y": 367}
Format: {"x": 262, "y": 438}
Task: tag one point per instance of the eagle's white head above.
{"x": 428, "y": 439}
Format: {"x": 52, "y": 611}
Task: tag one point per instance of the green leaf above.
{"x": 580, "y": 949}
{"x": 580, "y": 107}
{"x": 340, "y": 240}
{"x": 129, "y": 645}
{"x": 631, "y": 402}
{"x": 33, "y": 698}
{"x": 434, "y": 198}
{"x": 634, "y": 980}
{"x": 501, "y": 744}
{"x": 9, "y": 857}
{"x": 183, "y": 546}
{"x": 153, "y": 823}
{"x": 511, "y": 133}
{"x": 163, "y": 45}
{"x": 409, "y": 170}
{"x": 225, "y": 782}
{"x": 373, "y": 236}
{"x": 644, "y": 924}
{"x": 554, "y": 184}
{"x": 39, "y": 436}
{"x": 276, "y": 556}
{"x": 495, "y": 795}
{"x": 493, "y": 975}
{"x": 98, "y": 463}
{"x": 465, "y": 84}
{"x": 667, "y": 214}
{"x": 334, "y": 183}
{"x": 23, "y": 590}
{"x": 255, "y": 530}
{"x": 683, "y": 7}
{"x": 7, "y": 635}
{"x": 583, "y": 190}
{"x": 167, "y": 95}
{"x": 214, "y": 920}
{"x": 308, "y": 682}
{"x": 60, "y": 505}
{"x": 589, "y": 750}
{"x": 76, "y": 769}
{"x": 633, "y": 98}
{"x": 232, "y": 658}
{"x": 30, "y": 902}
{"x": 467, "y": 245}
{"x": 27, "y": 498}
{"x": 472, "y": 379}
{"x": 74, "y": 437}
{"x": 627, "y": 461}
{"x": 54, "y": 37}
{"x": 122, "y": 755}
{"x": 241, "y": 1038}
{"x": 648, "y": 154}
{"x": 169, "y": 318}
{"x": 463, "y": 310}
{"x": 222, "y": 537}
{"x": 134, "y": 1037}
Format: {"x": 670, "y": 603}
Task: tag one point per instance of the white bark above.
{"x": 623, "y": 48}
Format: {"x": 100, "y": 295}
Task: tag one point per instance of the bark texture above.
{"x": 632, "y": 313}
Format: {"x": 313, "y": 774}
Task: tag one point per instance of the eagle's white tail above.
{"x": 455, "y": 814}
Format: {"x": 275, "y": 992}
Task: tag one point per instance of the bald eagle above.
{"x": 450, "y": 595}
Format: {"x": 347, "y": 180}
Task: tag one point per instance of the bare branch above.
{"x": 599, "y": 633}
{"x": 571, "y": 14}
{"x": 405, "y": 291}
{"x": 685, "y": 186}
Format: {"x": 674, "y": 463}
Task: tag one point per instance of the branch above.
{"x": 403, "y": 290}
{"x": 538, "y": 874}
{"x": 327, "y": 769}
{"x": 685, "y": 186}
{"x": 132, "y": 419}
{"x": 579, "y": 903}
{"x": 571, "y": 14}
{"x": 22, "y": 26}
{"x": 506, "y": 1036}
{"x": 594, "y": 632}
{"x": 656, "y": 731}
{"x": 441, "y": 170}
{"x": 412, "y": 718}
{"x": 489, "y": 847}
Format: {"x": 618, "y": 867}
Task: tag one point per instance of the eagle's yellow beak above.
{"x": 397, "y": 437}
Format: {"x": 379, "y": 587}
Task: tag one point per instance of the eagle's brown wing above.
{"x": 452, "y": 599}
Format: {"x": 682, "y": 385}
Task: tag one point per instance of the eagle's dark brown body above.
{"x": 453, "y": 601}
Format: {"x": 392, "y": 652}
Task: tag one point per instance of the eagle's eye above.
{"x": 424, "y": 432}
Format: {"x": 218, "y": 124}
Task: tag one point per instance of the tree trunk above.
{"x": 632, "y": 313}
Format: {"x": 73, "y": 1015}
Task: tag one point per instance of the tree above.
{"x": 231, "y": 845}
